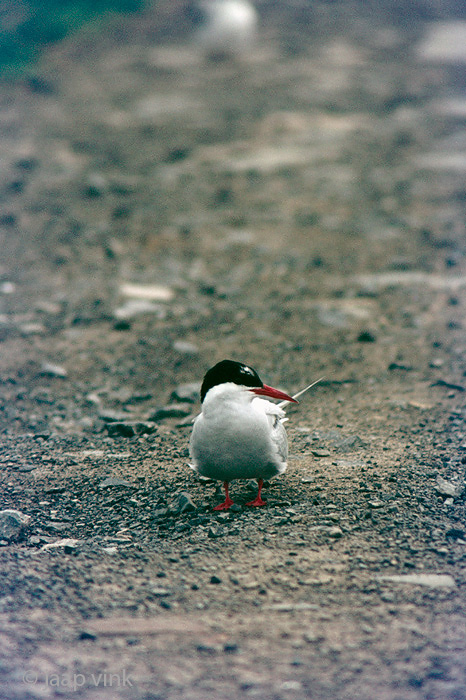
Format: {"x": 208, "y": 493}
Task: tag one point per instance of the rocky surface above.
{"x": 302, "y": 209}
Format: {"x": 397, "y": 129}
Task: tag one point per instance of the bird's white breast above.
{"x": 238, "y": 436}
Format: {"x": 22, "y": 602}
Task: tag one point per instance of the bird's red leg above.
{"x": 258, "y": 500}
{"x": 228, "y": 502}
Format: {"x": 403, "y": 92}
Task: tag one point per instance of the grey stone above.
{"x": 130, "y": 428}
{"x": 335, "y": 532}
{"x": 13, "y": 525}
{"x": 185, "y": 348}
{"x": 444, "y": 42}
{"x": 120, "y": 429}
{"x": 114, "y": 481}
{"x": 185, "y": 503}
{"x": 214, "y": 532}
{"x": 173, "y": 410}
{"x": 188, "y": 392}
{"x": 448, "y": 488}
{"x": 52, "y": 370}
{"x": 110, "y": 416}
{"x": 431, "y": 580}
{"x": 159, "y": 592}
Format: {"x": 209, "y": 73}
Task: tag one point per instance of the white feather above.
{"x": 238, "y": 436}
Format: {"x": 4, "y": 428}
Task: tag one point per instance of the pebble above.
{"x": 7, "y": 288}
{"x": 291, "y": 607}
{"x": 52, "y": 370}
{"x": 185, "y": 348}
{"x": 432, "y": 580}
{"x": 448, "y": 488}
{"x": 13, "y": 525}
{"x": 188, "y": 392}
{"x": 214, "y": 531}
{"x": 136, "y": 307}
{"x": 109, "y": 416}
{"x": 70, "y": 545}
{"x": 173, "y": 410}
{"x": 151, "y": 292}
{"x": 335, "y": 532}
{"x": 445, "y": 42}
{"x": 185, "y": 503}
{"x": 130, "y": 428}
{"x": 159, "y": 592}
{"x": 114, "y": 481}
{"x": 366, "y": 337}
{"x": 291, "y": 685}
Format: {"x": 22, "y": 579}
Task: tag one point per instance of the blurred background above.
{"x": 29, "y": 26}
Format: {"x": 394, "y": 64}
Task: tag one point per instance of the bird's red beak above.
{"x": 273, "y": 393}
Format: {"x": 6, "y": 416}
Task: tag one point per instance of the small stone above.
{"x": 185, "y": 348}
{"x": 13, "y": 525}
{"x": 114, "y": 481}
{"x": 448, "y": 488}
{"x": 152, "y": 292}
{"x": 366, "y": 337}
{"x": 185, "y": 503}
{"x": 130, "y": 428}
{"x": 455, "y": 534}
{"x": 160, "y": 592}
{"x": 213, "y": 532}
{"x": 122, "y": 325}
{"x": 7, "y": 288}
{"x": 335, "y": 532}
{"x": 291, "y": 685}
{"x": 95, "y": 186}
{"x": 431, "y": 580}
{"x": 86, "y": 634}
{"x": 171, "y": 411}
{"x": 188, "y": 392}
{"x": 121, "y": 429}
{"x": 215, "y": 579}
{"x": 51, "y": 370}
{"x": 137, "y": 307}
{"x": 145, "y": 427}
{"x": 235, "y": 508}
{"x": 444, "y": 42}
{"x": 66, "y": 543}
{"x": 320, "y": 453}
{"x": 109, "y": 416}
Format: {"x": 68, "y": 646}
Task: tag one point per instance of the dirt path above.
{"x": 303, "y": 211}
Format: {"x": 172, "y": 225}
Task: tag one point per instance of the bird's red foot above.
{"x": 228, "y": 502}
{"x": 258, "y": 501}
{"x": 225, "y": 505}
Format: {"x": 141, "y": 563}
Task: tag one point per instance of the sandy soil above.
{"x": 301, "y": 210}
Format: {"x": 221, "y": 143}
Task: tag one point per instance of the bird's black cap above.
{"x": 230, "y": 371}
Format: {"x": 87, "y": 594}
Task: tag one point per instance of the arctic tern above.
{"x": 238, "y": 434}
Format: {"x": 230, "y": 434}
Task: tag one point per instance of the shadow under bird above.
{"x": 238, "y": 434}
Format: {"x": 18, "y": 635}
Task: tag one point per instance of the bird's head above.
{"x": 230, "y": 371}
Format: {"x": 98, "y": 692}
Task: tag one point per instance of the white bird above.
{"x": 229, "y": 26}
{"x": 239, "y": 435}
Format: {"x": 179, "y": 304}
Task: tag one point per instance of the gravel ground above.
{"x": 303, "y": 210}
